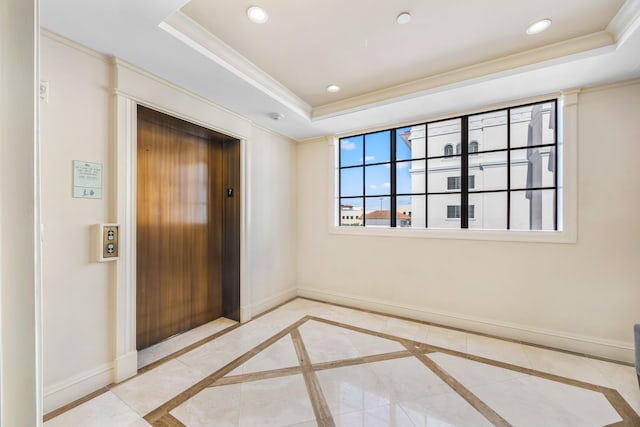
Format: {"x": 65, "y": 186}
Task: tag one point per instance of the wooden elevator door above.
{"x": 182, "y": 243}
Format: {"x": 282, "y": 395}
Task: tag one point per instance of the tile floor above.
{"x": 308, "y": 363}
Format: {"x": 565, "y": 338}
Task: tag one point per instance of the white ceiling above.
{"x": 454, "y": 55}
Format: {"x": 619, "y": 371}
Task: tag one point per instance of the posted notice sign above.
{"x": 87, "y": 180}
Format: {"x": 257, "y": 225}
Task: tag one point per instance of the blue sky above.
{"x": 370, "y": 149}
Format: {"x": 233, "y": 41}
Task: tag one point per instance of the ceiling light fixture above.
{"x": 403, "y": 18}
{"x": 257, "y": 15}
{"x": 539, "y": 26}
{"x": 276, "y": 116}
{"x": 333, "y": 88}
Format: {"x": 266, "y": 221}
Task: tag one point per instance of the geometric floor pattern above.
{"x": 322, "y": 372}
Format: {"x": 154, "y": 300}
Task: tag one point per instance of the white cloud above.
{"x": 369, "y": 158}
{"x": 402, "y": 165}
{"x": 373, "y": 186}
{"x": 347, "y": 145}
{"x": 386, "y": 185}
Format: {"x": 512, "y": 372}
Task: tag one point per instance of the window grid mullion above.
{"x": 393, "y": 205}
{"x": 464, "y": 173}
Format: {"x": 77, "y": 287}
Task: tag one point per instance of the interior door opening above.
{"x": 188, "y": 227}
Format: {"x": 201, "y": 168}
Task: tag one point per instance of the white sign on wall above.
{"x": 87, "y": 180}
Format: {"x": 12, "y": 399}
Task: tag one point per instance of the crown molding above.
{"x": 626, "y": 21}
{"x": 198, "y": 38}
{"x": 588, "y": 45}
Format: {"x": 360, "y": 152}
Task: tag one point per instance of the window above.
{"x": 505, "y": 164}
{"x": 453, "y": 211}
{"x": 448, "y": 150}
{"x": 473, "y": 147}
{"x": 453, "y": 182}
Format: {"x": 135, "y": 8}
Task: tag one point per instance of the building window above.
{"x": 448, "y": 150}
{"x": 453, "y": 182}
{"x": 505, "y": 164}
{"x": 473, "y": 147}
{"x": 453, "y": 212}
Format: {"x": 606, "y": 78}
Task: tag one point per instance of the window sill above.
{"x": 563, "y": 237}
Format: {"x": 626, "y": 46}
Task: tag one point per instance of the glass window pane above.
{"x": 438, "y": 172}
{"x": 378, "y": 180}
{"x": 410, "y": 143}
{"x": 377, "y": 147}
{"x": 533, "y": 167}
{"x": 351, "y": 150}
{"x": 488, "y": 131}
{"x": 351, "y": 182}
{"x": 410, "y": 212}
{"x": 490, "y": 211}
{"x": 438, "y": 210}
{"x": 378, "y": 211}
{"x": 351, "y": 211}
{"x": 533, "y": 125}
{"x": 443, "y": 137}
{"x": 533, "y": 210}
{"x": 410, "y": 177}
{"x": 489, "y": 171}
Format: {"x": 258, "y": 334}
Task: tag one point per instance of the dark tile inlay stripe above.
{"x": 318, "y": 401}
{"x": 257, "y": 376}
{"x": 168, "y": 420}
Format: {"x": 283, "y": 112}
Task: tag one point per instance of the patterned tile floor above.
{"x": 308, "y": 363}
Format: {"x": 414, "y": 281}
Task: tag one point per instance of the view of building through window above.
{"x": 494, "y": 170}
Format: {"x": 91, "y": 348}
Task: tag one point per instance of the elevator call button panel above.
{"x": 108, "y": 242}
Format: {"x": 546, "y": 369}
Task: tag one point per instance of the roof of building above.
{"x": 384, "y": 214}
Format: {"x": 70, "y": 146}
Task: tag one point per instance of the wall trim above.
{"x": 132, "y": 87}
{"x": 270, "y": 302}
{"x": 76, "y": 387}
{"x": 587, "y": 345}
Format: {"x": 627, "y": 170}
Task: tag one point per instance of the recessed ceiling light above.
{"x": 403, "y": 18}
{"x": 333, "y": 88}
{"x": 538, "y": 27}
{"x": 257, "y": 15}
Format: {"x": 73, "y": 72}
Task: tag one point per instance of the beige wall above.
{"x": 81, "y": 318}
{"x": 581, "y": 296}
{"x": 20, "y": 364}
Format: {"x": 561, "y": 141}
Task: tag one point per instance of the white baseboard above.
{"x": 125, "y": 366}
{"x": 268, "y": 303}
{"x": 614, "y": 350}
{"x": 67, "y": 391}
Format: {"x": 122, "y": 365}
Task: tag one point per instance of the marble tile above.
{"x": 443, "y": 337}
{"x": 495, "y": 349}
{"x": 280, "y": 354}
{"x": 443, "y": 410}
{"x": 363, "y": 388}
{"x": 382, "y": 416}
{"x": 473, "y": 373}
{"x": 214, "y": 355}
{"x": 326, "y": 343}
{"x": 273, "y": 402}
{"x": 408, "y": 379}
{"x": 106, "y": 410}
{"x": 352, "y": 389}
{"x": 566, "y": 365}
{"x": 622, "y": 378}
{"x": 533, "y": 401}
{"x": 151, "y": 389}
{"x": 165, "y": 348}
{"x": 221, "y": 404}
